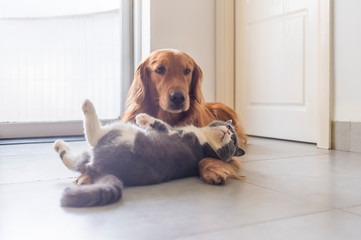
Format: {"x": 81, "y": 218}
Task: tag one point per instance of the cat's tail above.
{"x": 105, "y": 190}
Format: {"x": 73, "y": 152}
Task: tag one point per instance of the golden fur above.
{"x": 167, "y": 71}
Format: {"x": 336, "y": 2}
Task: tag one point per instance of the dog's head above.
{"x": 169, "y": 78}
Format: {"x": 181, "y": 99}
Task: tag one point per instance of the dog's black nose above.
{"x": 177, "y": 98}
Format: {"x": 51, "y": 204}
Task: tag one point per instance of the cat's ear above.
{"x": 239, "y": 152}
{"x": 229, "y": 121}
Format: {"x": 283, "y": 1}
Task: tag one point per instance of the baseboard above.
{"x": 346, "y": 136}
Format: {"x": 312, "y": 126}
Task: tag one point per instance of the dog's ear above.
{"x": 196, "y": 85}
{"x": 137, "y": 93}
{"x": 138, "y": 89}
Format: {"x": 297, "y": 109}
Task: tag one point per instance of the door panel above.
{"x": 276, "y": 68}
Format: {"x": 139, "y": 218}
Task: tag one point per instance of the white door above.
{"x": 277, "y": 68}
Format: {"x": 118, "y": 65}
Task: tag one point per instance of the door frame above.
{"x": 225, "y": 63}
{"x": 225, "y": 52}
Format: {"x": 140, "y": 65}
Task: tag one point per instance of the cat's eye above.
{"x": 229, "y": 127}
{"x": 186, "y": 71}
{"x": 160, "y": 70}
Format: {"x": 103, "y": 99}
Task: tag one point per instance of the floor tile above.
{"x": 355, "y": 210}
{"x": 33, "y": 149}
{"x": 265, "y": 149}
{"x": 355, "y": 138}
{"x": 332, "y": 179}
{"x": 33, "y": 162}
{"x": 163, "y": 211}
{"x": 333, "y": 225}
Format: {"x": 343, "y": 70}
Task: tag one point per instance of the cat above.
{"x": 148, "y": 152}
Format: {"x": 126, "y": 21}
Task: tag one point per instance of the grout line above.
{"x": 343, "y": 209}
{"x": 290, "y": 195}
{"x": 36, "y": 181}
{"x": 281, "y": 158}
{"x": 352, "y": 213}
{"x": 259, "y": 138}
{"x": 357, "y": 205}
{"x": 255, "y": 223}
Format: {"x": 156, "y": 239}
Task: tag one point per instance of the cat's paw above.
{"x": 61, "y": 147}
{"x": 88, "y": 107}
{"x": 144, "y": 120}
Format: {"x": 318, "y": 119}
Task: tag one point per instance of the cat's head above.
{"x": 223, "y": 140}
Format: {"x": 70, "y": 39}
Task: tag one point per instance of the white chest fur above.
{"x": 127, "y": 136}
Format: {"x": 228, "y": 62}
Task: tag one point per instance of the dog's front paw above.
{"x": 217, "y": 176}
{"x": 143, "y": 120}
{"x": 88, "y": 107}
{"x": 214, "y": 171}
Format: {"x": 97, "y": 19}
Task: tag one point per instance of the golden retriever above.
{"x": 167, "y": 85}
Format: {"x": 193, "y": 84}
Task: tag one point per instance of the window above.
{"x": 54, "y": 54}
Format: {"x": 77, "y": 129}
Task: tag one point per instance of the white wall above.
{"x": 347, "y": 96}
{"x": 187, "y": 25}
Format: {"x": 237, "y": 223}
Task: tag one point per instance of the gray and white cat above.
{"x": 147, "y": 153}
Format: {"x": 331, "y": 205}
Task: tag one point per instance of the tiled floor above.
{"x": 291, "y": 191}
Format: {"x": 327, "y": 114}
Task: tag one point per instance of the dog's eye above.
{"x": 186, "y": 71}
{"x": 160, "y": 70}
